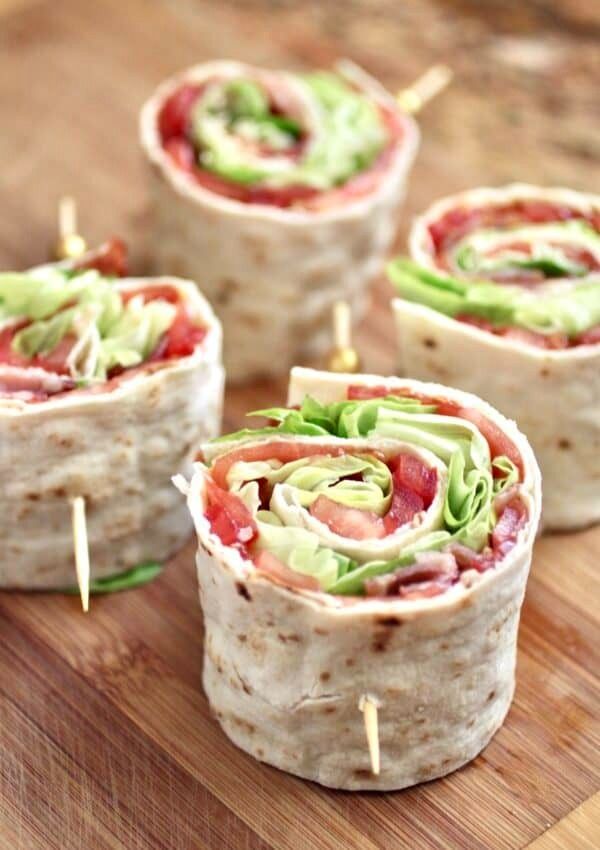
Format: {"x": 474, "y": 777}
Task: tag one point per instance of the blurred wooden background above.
{"x": 107, "y": 741}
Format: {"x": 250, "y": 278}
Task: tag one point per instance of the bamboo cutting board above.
{"x": 107, "y": 740}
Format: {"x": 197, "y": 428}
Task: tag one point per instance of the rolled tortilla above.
{"x": 272, "y": 273}
{"x": 530, "y": 346}
{"x": 286, "y": 664}
{"x": 116, "y": 444}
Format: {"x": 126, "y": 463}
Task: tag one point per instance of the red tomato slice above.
{"x": 267, "y": 563}
{"x": 410, "y": 472}
{"x": 348, "y": 522}
{"x": 229, "y": 517}
{"x": 174, "y": 115}
{"x": 109, "y": 259}
{"x": 183, "y": 336}
{"x": 512, "y": 519}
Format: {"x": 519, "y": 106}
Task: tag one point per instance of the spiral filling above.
{"x": 381, "y": 494}
{"x": 279, "y": 138}
{"x": 527, "y": 270}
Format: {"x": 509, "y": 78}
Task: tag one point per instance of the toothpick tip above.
{"x": 81, "y": 550}
{"x": 426, "y": 87}
{"x": 369, "y": 707}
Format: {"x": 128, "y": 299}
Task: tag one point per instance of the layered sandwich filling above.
{"x": 308, "y": 140}
{"x": 382, "y": 494}
{"x": 526, "y": 269}
{"x": 66, "y": 330}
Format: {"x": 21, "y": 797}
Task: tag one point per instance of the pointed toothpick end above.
{"x": 369, "y": 706}
{"x": 81, "y": 550}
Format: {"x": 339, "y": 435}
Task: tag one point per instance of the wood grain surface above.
{"x": 107, "y": 740}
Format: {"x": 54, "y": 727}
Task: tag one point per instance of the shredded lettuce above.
{"x": 86, "y": 306}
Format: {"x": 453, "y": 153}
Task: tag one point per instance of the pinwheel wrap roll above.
{"x": 374, "y": 543}
{"x": 502, "y": 299}
{"x": 105, "y": 389}
{"x": 279, "y": 193}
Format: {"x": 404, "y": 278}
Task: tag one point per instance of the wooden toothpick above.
{"x": 411, "y": 99}
{"x": 369, "y": 706}
{"x": 70, "y": 244}
{"x": 426, "y": 87}
{"x": 80, "y": 546}
{"x": 343, "y": 357}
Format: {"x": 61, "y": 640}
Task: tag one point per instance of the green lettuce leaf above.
{"x": 332, "y": 477}
{"x": 127, "y": 580}
{"x": 570, "y": 311}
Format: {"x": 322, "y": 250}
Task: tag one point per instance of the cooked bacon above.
{"x": 469, "y": 559}
{"x": 268, "y": 564}
{"x": 431, "y": 574}
{"x": 31, "y": 384}
{"x": 512, "y": 517}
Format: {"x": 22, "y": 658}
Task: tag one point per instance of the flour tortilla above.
{"x": 284, "y": 669}
{"x": 553, "y": 395}
{"x": 271, "y": 274}
{"x": 118, "y": 448}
